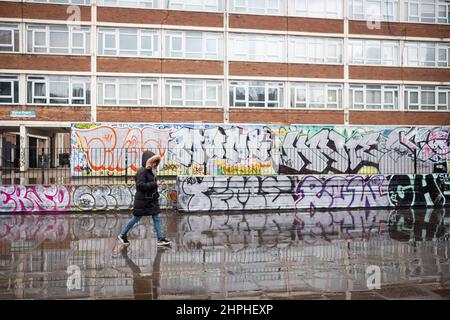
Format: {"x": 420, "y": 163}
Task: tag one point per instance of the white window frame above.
{"x": 13, "y": 81}
{"x": 75, "y": 2}
{"x": 384, "y": 89}
{"x": 15, "y": 36}
{"x": 383, "y": 46}
{"x": 140, "y": 99}
{"x": 243, "y": 6}
{"x": 154, "y": 34}
{"x": 374, "y": 10}
{"x": 184, "y": 36}
{"x": 267, "y": 85}
{"x": 419, "y": 90}
{"x": 147, "y": 4}
{"x": 32, "y": 47}
{"x": 308, "y": 103}
{"x": 315, "y": 42}
{"x": 333, "y": 9}
{"x": 46, "y": 80}
{"x": 201, "y": 5}
{"x": 182, "y": 84}
{"x": 272, "y": 47}
{"x": 419, "y": 47}
{"x": 419, "y": 18}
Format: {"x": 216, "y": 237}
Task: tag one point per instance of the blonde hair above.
{"x": 150, "y": 161}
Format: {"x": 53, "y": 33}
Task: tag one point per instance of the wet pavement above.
{"x": 282, "y": 255}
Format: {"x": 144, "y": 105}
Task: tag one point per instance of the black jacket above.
{"x": 146, "y": 201}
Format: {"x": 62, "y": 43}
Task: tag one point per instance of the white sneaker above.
{"x": 164, "y": 242}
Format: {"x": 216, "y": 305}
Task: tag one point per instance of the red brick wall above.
{"x": 315, "y": 25}
{"x": 45, "y": 62}
{"x": 244, "y": 21}
{"x": 151, "y": 16}
{"x": 265, "y": 69}
{"x": 40, "y": 11}
{"x": 286, "y": 116}
{"x": 397, "y": 73}
{"x": 132, "y": 114}
{"x": 139, "y": 65}
{"x": 401, "y": 29}
{"x": 399, "y": 118}
{"x": 49, "y": 113}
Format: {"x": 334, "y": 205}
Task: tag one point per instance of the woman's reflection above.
{"x": 145, "y": 287}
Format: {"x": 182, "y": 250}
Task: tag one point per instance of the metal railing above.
{"x": 95, "y": 166}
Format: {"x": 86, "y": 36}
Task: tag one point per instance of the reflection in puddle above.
{"x": 259, "y": 255}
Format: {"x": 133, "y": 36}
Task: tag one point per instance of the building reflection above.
{"x": 219, "y": 256}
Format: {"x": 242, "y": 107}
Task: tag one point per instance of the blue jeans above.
{"x": 135, "y": 219}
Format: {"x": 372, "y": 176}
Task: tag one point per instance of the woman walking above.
{"x": 146, "y": 199}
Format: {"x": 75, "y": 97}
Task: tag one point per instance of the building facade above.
{"x": 318, "y": 62}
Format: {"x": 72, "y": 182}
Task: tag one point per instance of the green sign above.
{"x": 23, "y": 113}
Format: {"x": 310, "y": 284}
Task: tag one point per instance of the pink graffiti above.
{"x": 104, "y": 146}
{"x": 34, "y": 227}
{"x": 437, "y": 146}
{"x": 19, "y": 198}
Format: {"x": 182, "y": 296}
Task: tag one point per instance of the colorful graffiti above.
{"x": 218, "y": 149}
{"x": 19, "y": 198}
{"x": 34, "y": 227}
{"x": 358, "y": 191}
{"x": 185, "y": 148}
{"x": 364, "y": 150}
{"x": 235, "y": 193}
{"x": 62, "y": 198}
{"x": 311, "y": 192}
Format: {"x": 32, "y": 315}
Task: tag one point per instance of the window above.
{"x": 9, "y": 38}
{"x": 332, "y": 9}
{"x": 87, "y": 2}
{"x": 266, "y": 7}
{"x": 373, "y": 97}
{"x": 427, "y": 54}
{"x": 127, "y": 91}
{"x": 9, "y": 89}
{"x": 251, "y": 47}
{"x": 194, "y": 45}
{"x": 58, "y": 90}
{"x": 195, "y": 5}
{"x": 315, "y": 50}
{"x": 316, "y": 95}
{"x": 374, "y": 10}
{"x": 428, "y": 98}
{"x": 128, "y": 42}
{"x": 193, "y": 93}
{"x": 374, "y": 52}
{"x": 151, "y": 4}
{"x": 256, "y": 94}
{"x": 427, "y": 11}
{"x": 58, "y": 39}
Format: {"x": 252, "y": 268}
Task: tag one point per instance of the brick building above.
{"x": 351, "y": 62}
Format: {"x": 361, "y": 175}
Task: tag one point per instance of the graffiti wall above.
{"x": 112, "y": 149}
{"x": 219, "y": 149}
{"x": 311, "y": 192}
{"x": 63, "y": 198}
{"x": 235, "y": 193}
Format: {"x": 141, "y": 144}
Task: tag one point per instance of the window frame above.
{"x": 13, "y": 81}
{"x": 183, "y": 84}
{"x": 366, "y": 88}
{"x": 247, "y": 85}
{"x": 33, "y": 28}
{"x": 15, "y": 37}
{"x": 308, "y": 87}
{"x": 46, "y": 80}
